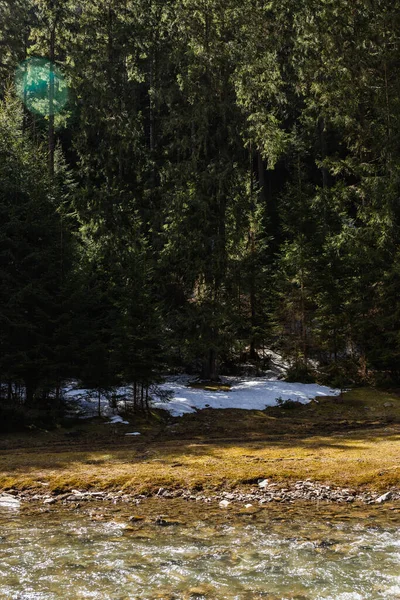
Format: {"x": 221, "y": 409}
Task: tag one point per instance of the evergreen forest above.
{"x": 188, "y": 184}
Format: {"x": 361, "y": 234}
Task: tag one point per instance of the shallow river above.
{"x": 317, "y": 552}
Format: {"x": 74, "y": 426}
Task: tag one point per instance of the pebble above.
{"x": 162, "y": 522}
{"x": 224, "y": 503}
{"x": 50, "y": 501}
{"x": 263, "y": 484}
{"x": 297, "y": 491}
{"x": 136, "y": 518}
{"x": 384, "y": 498}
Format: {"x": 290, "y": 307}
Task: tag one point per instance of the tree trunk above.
{"x": 388, "y": 123}
{"x": 210, "y": 369}
{"x": 303, "y": 321}
{"x": 261, "y": 179}
{"x": 58, "y": 395}
{"x": 151, "y": 104}
{"x": 142, "y": 397}
{"x": 29, "y": 392}
{"x": 322, "y": 137}
{"x": 51, "y": 134}
{"x": 26, "y": 112}
{"x": 253, "y": 353}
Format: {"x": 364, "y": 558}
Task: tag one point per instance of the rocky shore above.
{"x": 265, "y": 492}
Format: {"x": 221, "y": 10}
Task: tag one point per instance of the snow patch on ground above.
{"x": 248, "y": 393}
{"x": 117, "y": 419}
{"x": 84, "y": 403}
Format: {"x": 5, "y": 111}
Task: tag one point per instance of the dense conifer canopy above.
{"x": 187, "y": 183}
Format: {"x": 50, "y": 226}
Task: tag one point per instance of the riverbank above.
{"x": 266, "y": 492}
{"x": 339, "y": 450}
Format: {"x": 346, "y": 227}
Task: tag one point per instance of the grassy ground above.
{"x": 352, "y": 442}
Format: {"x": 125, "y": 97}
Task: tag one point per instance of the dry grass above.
{"x": 213, "y": 387}
{"x": 350, "y": 442}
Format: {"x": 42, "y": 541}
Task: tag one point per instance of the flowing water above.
{"x": 303, "y": 553}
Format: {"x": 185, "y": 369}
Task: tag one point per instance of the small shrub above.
{"x": 20, "y": 418}
{"x": 299, "y": 374}
{"x": 12, "y": 418}
{"x": 384, "y": 379}
{"x": 288, "y": 404}
{"x": 340, "y": 374}
{"x": 69, "y": 422}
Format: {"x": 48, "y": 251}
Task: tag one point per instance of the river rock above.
{"x": 388, "y": 404}
{"x": 9, "y": 501}
{"x": 162, "y": 522}
{"x": 136, "y": 518}
{"x": 50, "y": 501}
{"x": 230, "y": 496}
{"x": 98, "y": 517}
{"x": 224, "y": 503}
{"x": 197, "y": 593}
{"x": 384, "y": 498}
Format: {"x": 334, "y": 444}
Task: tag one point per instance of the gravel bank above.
{"x": 265, "y": 492}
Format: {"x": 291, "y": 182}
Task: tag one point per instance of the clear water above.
{"x": 275, "y": 553}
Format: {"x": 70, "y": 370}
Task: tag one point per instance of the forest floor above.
{"x": 350, "y": 441}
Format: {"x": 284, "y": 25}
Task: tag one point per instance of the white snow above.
{"x": 134, "y": 433}
{"x": 250, "y": 394}
{"x": 85, "y": 401}
{"x": 117, "y": 419}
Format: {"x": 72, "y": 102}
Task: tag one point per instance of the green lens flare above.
{"x": 41, "y": 86}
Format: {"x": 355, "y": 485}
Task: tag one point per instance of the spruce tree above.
{"x": 34, "y": 270}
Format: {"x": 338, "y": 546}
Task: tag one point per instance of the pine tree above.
{"x": 32, "y": 264}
